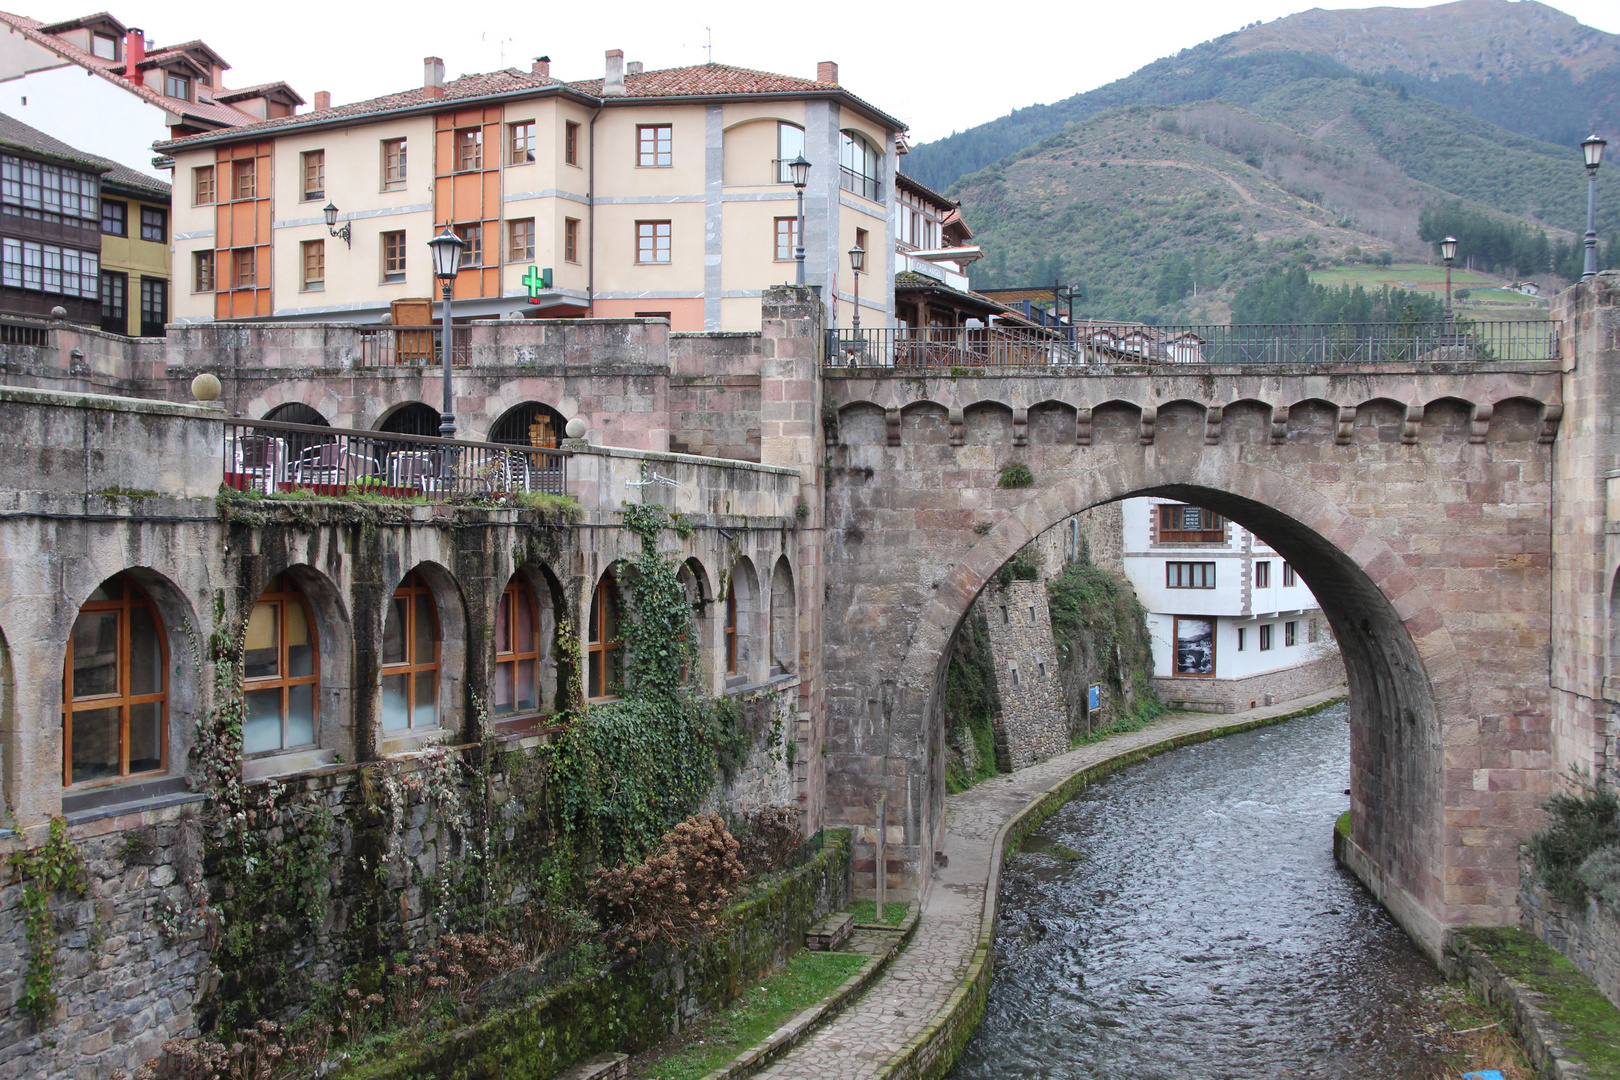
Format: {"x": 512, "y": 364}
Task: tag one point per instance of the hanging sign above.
{"x": 535, "y": 280}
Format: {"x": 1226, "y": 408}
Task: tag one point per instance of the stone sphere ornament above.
{"x": 205, "y": 387}
{"x": 576, "y": 428}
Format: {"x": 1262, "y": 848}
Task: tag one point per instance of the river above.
{"x": 1204, "y": 930}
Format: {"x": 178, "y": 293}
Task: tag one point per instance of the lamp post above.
{"x": 1592, "y": 149}
{"x": 447, "y": 248}
{"x": 1448, "y": 252}
{"x": 344, "y": 234}
{"x": 800, "y": 168}
{"x": 857, "y": 260}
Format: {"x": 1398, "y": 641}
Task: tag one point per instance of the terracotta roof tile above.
{"x": 14, "y": 132}
{"x": 703, "y": 79}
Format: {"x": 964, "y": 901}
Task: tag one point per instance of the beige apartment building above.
{"x": 658, "y": 193}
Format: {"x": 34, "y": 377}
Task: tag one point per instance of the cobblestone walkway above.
{"x": 861, "y": 1040}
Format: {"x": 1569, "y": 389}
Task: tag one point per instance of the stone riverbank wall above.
{"x": 1589, "y": 935}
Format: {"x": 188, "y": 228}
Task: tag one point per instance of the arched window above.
{"x": 693, "y": 580}
{"x": 279, "y": 671}
{"x": 602, "y": 642}
{"x": 115, "y": 687}
{"x": 784, "y": 619}
{"x": 517, "y": 651}
{"x": 296, "y": 412}
{"x": 731, "y": 630}
{"x": 528, "y": 424}
{"x": 789, "y": 145}
{"x": 858, "y": 162}
{"x": 412, "y": 419}
{"x": 410, "y": 661}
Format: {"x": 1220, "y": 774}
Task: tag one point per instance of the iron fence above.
{"x": 385, "y": 346}
{"x": 269, "y": 457}
{"x": 1324, "y": 344}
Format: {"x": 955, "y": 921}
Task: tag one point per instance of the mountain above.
{"x": 1521, "y": 65}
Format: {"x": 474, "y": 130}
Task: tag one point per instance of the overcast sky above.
{"x": 939, "y": 66}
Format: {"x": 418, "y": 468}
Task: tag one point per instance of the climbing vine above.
{"x": 55, "y": 866}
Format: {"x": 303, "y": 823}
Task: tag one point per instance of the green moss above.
{"x": 866, "y": 914}
{"x": 1590, "y": 1020}
{"x": 1342, "y": 826}
{"x": 971, "y": 703}
{"x": 807, "y": 979}
{"x": 1016, "y": 475}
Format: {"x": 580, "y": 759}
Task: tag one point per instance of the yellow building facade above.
{"x": 661, "y": 193}
{"x": 136, "y": 294}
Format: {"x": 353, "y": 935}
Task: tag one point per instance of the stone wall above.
{"x": 1033, "y": 722}
{"x": 1099, "y": 533}
{"x": 1236, "y": 695}
{"x": 1589, "y": 936}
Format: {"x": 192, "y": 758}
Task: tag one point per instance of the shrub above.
{"x": 1016, "y": 475}
{"x": 676, "y": 895}
{"x": 771, "y": 838}
{"x": 1583, "y": 824}
{"x": 1601, "y": 874}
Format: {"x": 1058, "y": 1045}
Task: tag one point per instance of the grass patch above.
{"x": 1591, "y": 1021}
{"x": 808, "y": 977}
{"x": 865, "y": 912}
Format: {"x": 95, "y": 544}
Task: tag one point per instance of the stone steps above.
{"x": 830, "y": 932}
{"x": 600, "y": 1067}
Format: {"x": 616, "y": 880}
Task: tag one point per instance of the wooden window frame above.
{"x": 114, "y": 282}
{"x": 130, "y": 597}
{"x": 1268, "y": 636}
{"x": 155, "y": 218}
{"x": 473, "y": 254}
{"x": 394, "y": 182}
{"x": 1171, "y": 519}
{"x": 150, "y": 285}
{"x": 306, "y": 249}
{"x": 1290, "y": 579}
{"x": 312, "y": 168}
{"x": 394, "y": 256}
{"x": 203, "y": 271}
{"x": 244, "y": 179}
{"x": 785, "y": 254}
{"x": 571, "y": 143}
{"x": 289, "y": 593}
{"x": 602, "y": 655}
{"x": 1290, "y": 633}
{"x": 668, "y": 238}
{"x": 1240, "y": 638}
{"x": 571, "y": 240}
{"x": 185, "y": 83}
{"x": 238, "y": 256}
{"x": 116, "y": 210}
{"x": 204, "y": 185}
{"x": 408, "y": 590}
{"x": 651, "y": 147}
{"x": 1262, "y": 574}
{"x": 506, "y": 610}
{"x": 520, "y": 146}
{"x": 512, "y": 254}
{"x": 464, "y": 140}
{"x": 1203, "y": 570}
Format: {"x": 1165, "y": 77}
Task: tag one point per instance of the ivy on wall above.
{"x": 54, "y": 867}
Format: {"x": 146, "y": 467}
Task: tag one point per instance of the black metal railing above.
{"x": 1324, "y": 344}
{"x": 385, "y": 346}
{"x": 269, "y": 457}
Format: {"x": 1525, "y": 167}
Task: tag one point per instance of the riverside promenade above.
{"x": 915, "y": 1018}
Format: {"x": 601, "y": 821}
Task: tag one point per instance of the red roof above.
{"x": 207, "y": 112}
{"x": 704, "y": 80}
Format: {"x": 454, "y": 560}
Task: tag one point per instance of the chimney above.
{"x": 134, "y": 53}
{"x": 542, "y": 66}
{"x": 323, "y": 100}
{"x": 613, "y": 84}
{"x": 433, "y": 77}
{"x": 827, "y": 71}
{"x": 633, "y": 68}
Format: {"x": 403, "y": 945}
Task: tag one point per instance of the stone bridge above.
{"x": 1423, "y": 503}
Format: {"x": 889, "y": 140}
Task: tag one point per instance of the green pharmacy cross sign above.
{"x": 535, "y": 280}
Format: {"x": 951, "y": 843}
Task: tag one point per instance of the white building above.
{"x": 1233, "y": 626}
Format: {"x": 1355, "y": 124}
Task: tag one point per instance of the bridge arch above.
{"x": 1401, "y": 661}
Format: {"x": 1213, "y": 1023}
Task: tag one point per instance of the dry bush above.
{"x": 675, "y": 895}
{"x": 453, "y": 965}
{"x": 257, "y": 1053}
{"x": 771, "y": 839}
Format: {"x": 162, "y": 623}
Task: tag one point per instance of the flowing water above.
{"x": 1184, "y": 918}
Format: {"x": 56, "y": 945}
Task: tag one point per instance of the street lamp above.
{"x": 1592, "y": 148}
{"x": 1448, "y": 252}
{"x": 447, "y": 248}
{"x": 857, "y": 260}
{"x": 800, "y": 168}
{"x": 331, "y": 212}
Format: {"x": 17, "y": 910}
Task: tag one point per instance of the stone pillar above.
{"x": 1033, "y": 713}
{"x": 791, "y": 435}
